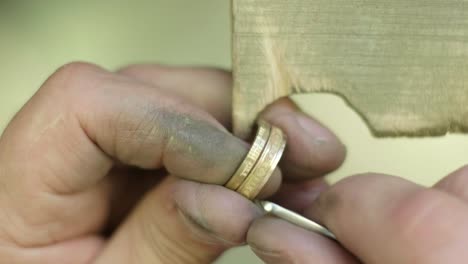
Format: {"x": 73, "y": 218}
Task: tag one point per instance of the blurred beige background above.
{"x": 36, "y": 37}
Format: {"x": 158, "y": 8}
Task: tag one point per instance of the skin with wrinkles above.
{"x": 213, "y": 154}
{"x": 127, "y": 167}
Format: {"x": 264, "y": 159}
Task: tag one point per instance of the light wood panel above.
{"x": 402, "y": 65}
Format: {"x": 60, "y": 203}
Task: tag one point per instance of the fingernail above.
{"x": 201, "y": 208}
{"x": 201, "y": 233}
{"x": 313, "y": 189}
{"x": 271, "y": 257}
{"x": 196, "y": 224}
{"x": 320, "y": 134}
{"x": 322, "y": 139}
{"x": 299, "y": 195}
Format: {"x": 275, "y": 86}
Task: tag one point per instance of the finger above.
{"x": 312, "y": 150}
{"x": 182, "y": 222}
{"x": 75, "y": 251}
{"x": 384, "y": 219}
{"x": 67, "y": 137}
{"x": 297, "y": 196}
{"x": 206, "y": 88}
{"x": 276, "y": 241}
{"x": 456, "y": 183}
{"x": 129, "y": 122}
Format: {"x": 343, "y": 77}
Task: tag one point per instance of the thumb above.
{"x": 182, "y": 222}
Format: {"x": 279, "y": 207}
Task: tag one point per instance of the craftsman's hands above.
{"x": 379, "y": 219}
{"x": 126, "y": 167}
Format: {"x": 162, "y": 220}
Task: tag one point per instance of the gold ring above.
{"x": 266, "y": 164}
{"x": 263, "y": 133}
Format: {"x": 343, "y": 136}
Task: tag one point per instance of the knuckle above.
{"x": 73, "y": 76}
{"x": 144, "y": 72}
{"x": 139, "y": 129}
{"x": 77, "y": 67}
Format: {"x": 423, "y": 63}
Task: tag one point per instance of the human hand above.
{"x": 377, "y": 219}
{"x": 126, "y": 167}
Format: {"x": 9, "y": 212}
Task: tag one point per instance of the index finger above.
{"x": 84, "y": 118}
{"x": 312, "y": 149}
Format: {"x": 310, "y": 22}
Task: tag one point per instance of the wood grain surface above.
{"x": 402, "y": 65}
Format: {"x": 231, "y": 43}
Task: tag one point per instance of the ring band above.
{"x": 263, "y": 133}
{"x": 266, "y": 164}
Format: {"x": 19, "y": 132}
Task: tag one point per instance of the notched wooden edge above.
{"x": 244, "y": 129}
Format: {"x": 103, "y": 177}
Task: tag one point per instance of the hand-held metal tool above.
{"x": 294, "y": 218}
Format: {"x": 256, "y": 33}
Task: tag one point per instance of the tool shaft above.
{"x": 294, "y": 218}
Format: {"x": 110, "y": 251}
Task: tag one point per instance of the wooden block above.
{"x": 401, "y": 64}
